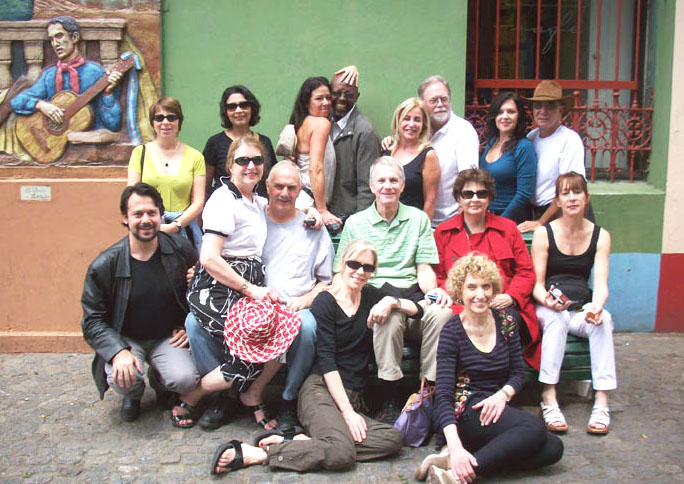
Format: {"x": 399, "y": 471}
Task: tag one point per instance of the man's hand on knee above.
{"x": 124, "y": 366}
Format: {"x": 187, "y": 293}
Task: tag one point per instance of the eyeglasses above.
{"x": 172, "y": 118}
{"x": 344, "y": 94}
{"x": 244, "y": 160}
{"x": 434, "y": 101}
{"x": 242, "y": 105}
{"x": 468, "y": 194}
{"x": 355, "y": 265}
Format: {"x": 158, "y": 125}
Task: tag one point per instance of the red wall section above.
{"x": 670, "y": 312}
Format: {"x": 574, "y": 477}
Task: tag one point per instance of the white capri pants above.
{"x": 556, "y": 325}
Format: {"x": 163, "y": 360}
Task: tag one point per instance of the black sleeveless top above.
{"x": 570, "y": 273}
{"x": 413, "y": 172}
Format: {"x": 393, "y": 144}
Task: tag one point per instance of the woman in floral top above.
{"x": 479, "y": 369}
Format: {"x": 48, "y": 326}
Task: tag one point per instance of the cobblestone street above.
{"x": 55, "y": 429}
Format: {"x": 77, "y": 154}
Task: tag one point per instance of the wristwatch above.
{"x": 178, "y": 224}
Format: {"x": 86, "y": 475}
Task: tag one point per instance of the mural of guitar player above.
{"x": 53, "y": 105}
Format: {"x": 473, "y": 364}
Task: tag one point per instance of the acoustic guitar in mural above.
{"x": 45, "y": 140}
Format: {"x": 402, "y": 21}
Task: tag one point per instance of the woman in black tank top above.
{"x": 564, "y": 253}
{"x": 411, "y": 147}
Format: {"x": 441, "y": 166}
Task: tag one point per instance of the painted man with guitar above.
{"x": 75, "y": 74}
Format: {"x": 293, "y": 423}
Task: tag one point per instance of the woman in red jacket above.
{"x": 475, "y": 229}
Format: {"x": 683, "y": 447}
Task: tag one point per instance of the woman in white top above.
{"x": 234, "y": 222}
{"x": 315, "y": 154}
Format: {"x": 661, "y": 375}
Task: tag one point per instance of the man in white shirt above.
{"x": 453, "y": 138}
{"x": 559, "y": 150}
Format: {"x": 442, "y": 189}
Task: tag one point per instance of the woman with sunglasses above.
{"x": 315, "y": 154}
{"x": 411, "y": 147}
{"x": 335, "y": 433}
{"x": 476, "y": 229}
{"x": 510, "y": 157}
{"x": 234, "y": 222}
{"x": 176, "y": 170}
{"x": 239, "y": 110}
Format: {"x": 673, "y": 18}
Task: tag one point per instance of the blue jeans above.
{"x": 207, "y": 352}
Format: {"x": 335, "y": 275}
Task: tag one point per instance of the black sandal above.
{"x": 191, "y": 415}
{"x": 266, "y": 419}
{"x": 288, "y": 434}
{"x": 237, "y": 462}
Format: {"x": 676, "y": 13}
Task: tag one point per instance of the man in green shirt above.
{"x": 406, "y": 248}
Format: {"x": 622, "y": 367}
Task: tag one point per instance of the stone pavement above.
{"x": 55, "y": 429}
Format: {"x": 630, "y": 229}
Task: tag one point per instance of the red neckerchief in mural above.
{"x": 69, "y": 68}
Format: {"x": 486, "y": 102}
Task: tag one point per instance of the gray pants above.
{"x": 331, "y": 446}
{"x": 176, "y": 370}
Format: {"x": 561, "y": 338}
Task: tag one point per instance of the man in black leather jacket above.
{"x": 134, "y": 306}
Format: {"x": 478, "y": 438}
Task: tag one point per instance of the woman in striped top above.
{"x": 479, "y": 369}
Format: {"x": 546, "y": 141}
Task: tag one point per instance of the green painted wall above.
{"x": 662, "y": 24}
{"x": 632, "y": 213}
{"x": 271, "y": 46}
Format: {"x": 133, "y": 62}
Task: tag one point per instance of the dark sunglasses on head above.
{"x": 170, "y": 117}
{"x": 355, "y": 265}
{"x": 242, "y": 105}
{"x": 244, "y": 160}
{"x": 468, "y": 194}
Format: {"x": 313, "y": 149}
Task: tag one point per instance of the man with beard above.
{"x": 134, "y": 306}
{"x": 356, "y": 147}
{"x": 453, "y": 138}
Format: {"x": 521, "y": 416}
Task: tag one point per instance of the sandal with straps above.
{"x": 191, "y": 415}
{"x": 599, "y": 421}
{"x": 553, "y": 418}
{"x": 237, "y": 463}
{"x": 266, "y": 419}
{"x": 288, "y": 434}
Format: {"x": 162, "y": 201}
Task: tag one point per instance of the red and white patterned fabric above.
{"x": 260, "y": 331}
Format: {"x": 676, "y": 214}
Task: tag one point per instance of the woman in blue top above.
{"x": 509, "y": 157}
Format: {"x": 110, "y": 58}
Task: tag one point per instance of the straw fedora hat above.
{"x": 260, "y": 331}
{"x": 550, "y": 91}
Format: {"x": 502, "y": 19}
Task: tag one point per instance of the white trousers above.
{"x": 555, "y": 327}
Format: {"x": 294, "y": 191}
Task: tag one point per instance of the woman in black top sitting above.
{"x": 563, "y": 253}
{"x": 336, "y": 433}
{"x": 479, "y": 369}
{"x": 411, "y": 147}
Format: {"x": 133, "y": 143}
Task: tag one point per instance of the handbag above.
{"x": 415, "y": 422}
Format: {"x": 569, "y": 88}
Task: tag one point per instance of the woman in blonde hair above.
{"x": 336, "y": 432}
{"x": 411, "y": 147}
{"x": 479, "y": 369}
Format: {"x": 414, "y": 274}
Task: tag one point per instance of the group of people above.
{"x": 431, "y": 250}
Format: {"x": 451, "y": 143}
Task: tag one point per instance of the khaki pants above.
{"x": 388, "y": 341}
{"x": 331, "y": 446}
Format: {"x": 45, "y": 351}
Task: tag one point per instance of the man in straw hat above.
{"x": 559, "y": 150}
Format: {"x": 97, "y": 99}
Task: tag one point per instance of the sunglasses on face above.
{"x": 244, "y": 160}
{"x": 242, "y": 105}
{"x": 469, "y": 194}
{"x": 172, "y": 118}
{"x": 343, "y": 94}
{"x": 355, "y": 265}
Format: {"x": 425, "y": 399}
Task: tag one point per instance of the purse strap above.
{"x": 426, "y": 391}
{"x": 142, "y": 162}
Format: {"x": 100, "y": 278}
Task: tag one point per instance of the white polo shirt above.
{"x": 457, "y": 147}
{"x": 560, "y": 153}
{"x": 242, "y": 223}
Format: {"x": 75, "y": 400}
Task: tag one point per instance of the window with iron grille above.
{"x": 596, "y": 49}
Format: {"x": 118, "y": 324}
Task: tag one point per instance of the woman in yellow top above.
{"x": 176, "y": 170}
